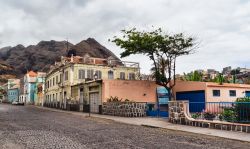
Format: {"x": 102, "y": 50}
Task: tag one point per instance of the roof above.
{"x": 32, "y": 73}
{"x": 230, "y": 85}
{"x": 213, "y": 84}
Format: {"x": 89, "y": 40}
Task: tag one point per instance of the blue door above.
{"x": 247, "y": 93}
{"x": 196, "y": 99}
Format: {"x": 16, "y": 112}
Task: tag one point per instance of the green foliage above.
{"x": 229, "y": 115}
{"x": 245, "y": 99}
{"x": 160, "y": 47}
{"x": 196, "y": 115}
{"x": 193, "y": 76}
{"x": 116, "y": 99}
{"x": 208, "y": 116}
{"x": 219, "y": 79}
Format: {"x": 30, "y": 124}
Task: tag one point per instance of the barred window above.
{"x": 56, "y": 79}
{"x": 110, "y": 74}
{"x": 122, "y": 75}
{"x": 81, "y": 74}
{"x": 131, "y": 76}
{"x": 66, "y": 75}
{"x": 90, "y": 74}
{"x": 99, "y": 74}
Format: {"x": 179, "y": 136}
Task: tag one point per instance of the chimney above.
{"x": 72, "y": 58}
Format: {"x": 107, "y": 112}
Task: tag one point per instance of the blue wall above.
{"x": 32, "y": 92}
{"x": 13, "y": 95}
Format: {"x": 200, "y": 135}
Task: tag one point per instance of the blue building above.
{"x": 13, "y": 94}
{"x": 13, "y": 87}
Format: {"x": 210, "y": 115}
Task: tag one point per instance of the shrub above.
{"x": 116, "y": 99}
{"x": 208, "y": 115}
{"x": 196, "y": 115}
{"x": 228, "y": 115}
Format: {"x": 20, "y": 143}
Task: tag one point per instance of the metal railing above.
{"x": 238, "y": 112}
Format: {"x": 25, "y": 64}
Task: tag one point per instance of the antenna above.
{"x": 67, "y": 45}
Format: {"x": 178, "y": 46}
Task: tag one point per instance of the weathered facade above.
{"x": 62, "y": 79}
{"x": 13, "y": 87}
{"x": 97, "y": 92}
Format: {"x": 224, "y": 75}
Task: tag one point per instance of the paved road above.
{"x": 30, "y": 127}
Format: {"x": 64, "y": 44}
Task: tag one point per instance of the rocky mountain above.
{"x": 6, "y": 72}
{"x": 39, "y": 57}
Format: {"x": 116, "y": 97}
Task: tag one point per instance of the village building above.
{"x": 33, "y": 88}
{"x": 13, "y": 87}
{"x": 201, "y": 95}
{"x": 75, "y": 70}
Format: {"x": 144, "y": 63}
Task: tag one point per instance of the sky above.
{"x": 221, "y": 27}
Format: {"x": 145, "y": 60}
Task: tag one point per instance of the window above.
{"x": 131, "y": 76}
{"x": 56, "y": 79}
{"x": 216, "y": 93}
{"x": 81, "y": 74}
{"x": 53, "y": 81}
{"x": 66, "y": 75}
{"x": 232, "y": 93}
{"x": 110, "y": 74}
{"x": 90, "y": 74}
{"x": 99, "y": 74}
{"x": 122, "y": 75}
{"x": 61, "y": 77}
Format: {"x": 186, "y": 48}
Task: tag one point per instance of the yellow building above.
{"x": 75, "y": 70}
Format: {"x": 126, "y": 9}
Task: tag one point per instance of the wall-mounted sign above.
{"x": 162, "y": 95}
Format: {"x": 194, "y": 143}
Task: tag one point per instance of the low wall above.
{"x": 179, "y": 114}
{"x": 124, "y": 109}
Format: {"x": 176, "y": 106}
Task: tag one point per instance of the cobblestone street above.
{"x": 30, "y": 127}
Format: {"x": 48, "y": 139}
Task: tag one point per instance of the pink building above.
{"x": 206, "y": 95}
{"x": 135, "y": 90}
{"x": 212, "y": 92}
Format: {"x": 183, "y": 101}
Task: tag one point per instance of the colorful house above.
{"x": 30, "y": 86}
{"x": 34, "y": 87}
{"x": 40, "y": 88}
{"x": 13, "y": 87}
{"x": 202, "y": 93}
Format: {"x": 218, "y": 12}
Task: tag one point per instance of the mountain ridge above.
{"x": 41, "y": 56}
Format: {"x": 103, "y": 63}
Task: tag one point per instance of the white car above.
{"x": 17, "y": 103}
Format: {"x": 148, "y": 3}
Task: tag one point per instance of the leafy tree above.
{"x": 193, "y": 76}
{"x": 219, "y": 79}
{"x": 158, "y": 46}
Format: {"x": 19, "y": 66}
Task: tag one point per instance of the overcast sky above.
{"x": 221, "y": 26}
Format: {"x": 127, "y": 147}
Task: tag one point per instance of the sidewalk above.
{"x": 163, "y": 123}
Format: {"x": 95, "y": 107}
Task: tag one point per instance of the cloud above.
{"x": 221, "y": 26}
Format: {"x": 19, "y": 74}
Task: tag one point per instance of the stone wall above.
{"x": 179, "y": 114}
{"x": 124, "y": 109}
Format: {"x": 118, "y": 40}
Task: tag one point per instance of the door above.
{"x": 81, "y": 99}
{"x": 94, "y": 102}
{"x": 247, "y": 93}
{"x": 196, "y": 99}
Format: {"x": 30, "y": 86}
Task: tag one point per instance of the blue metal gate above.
{"x": 193, "y": 97}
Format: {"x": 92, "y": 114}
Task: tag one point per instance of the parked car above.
{"x": 17, "y": 103}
